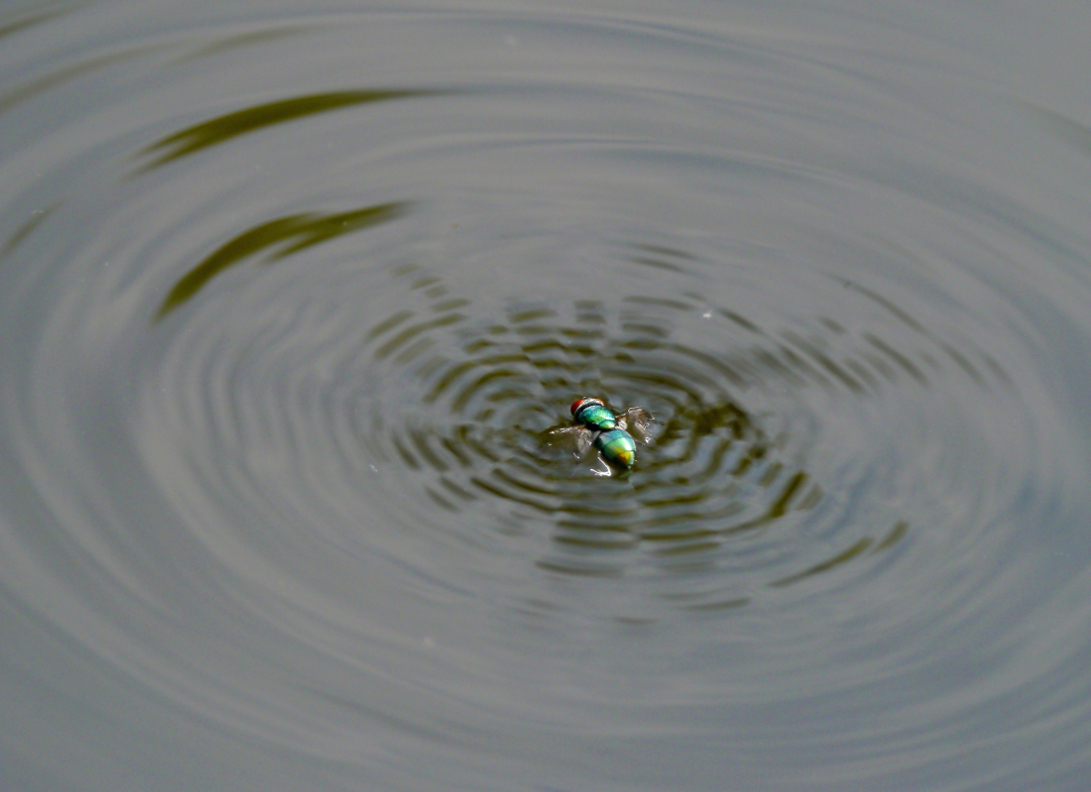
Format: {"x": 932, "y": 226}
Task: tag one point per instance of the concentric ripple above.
{"x": 435, "y": 407}
{"x": 727, "y": 483}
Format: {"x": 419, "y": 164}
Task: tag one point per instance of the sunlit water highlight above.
{"x": 292, "y": 300}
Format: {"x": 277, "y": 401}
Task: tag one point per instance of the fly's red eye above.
{"x": 576, "y": 405}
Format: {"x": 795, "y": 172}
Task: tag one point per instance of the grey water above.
{"x": 292, "y": 295}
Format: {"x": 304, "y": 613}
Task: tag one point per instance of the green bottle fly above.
{"x": 597, "y": 426}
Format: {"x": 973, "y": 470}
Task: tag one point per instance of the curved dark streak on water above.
{"x": 24, "y": 230}
{"x": 74, "y": 71}
{"x": 22, "y": 23}
{"x": 241, "y": 122}
{"x": 293, "y": 234}
{"x": 228, "y": 43}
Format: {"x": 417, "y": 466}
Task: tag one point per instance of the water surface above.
{"x": 293, "y": 294}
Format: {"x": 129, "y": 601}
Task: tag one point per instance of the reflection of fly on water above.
{"x": 597, "y": 426}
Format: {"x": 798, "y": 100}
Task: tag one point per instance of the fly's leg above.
{"x": 601, "y": 468}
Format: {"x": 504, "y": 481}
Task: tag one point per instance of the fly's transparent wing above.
{"x": 637, "y": 418}
{"x": 579, "y": 436}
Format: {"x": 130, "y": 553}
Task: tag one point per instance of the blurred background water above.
{"x": 292, "y": 294}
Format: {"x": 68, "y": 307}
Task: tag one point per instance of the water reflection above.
{"x": 287, "y": 234}
{"x": 895, "y": 535}
{"x": 27, "y": 228}
{"x": 35, "y": 17}
{"x": 303, "y": 529}
{"x": 241, "y": 122}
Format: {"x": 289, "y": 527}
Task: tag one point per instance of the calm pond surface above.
{"x": 292, "y": 294}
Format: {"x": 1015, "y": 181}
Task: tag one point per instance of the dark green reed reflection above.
{"x": 293, "y": 233}
{"x": 241, "y": 122}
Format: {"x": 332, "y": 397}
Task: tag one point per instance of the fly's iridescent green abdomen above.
{"x": 618, "y": 447}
